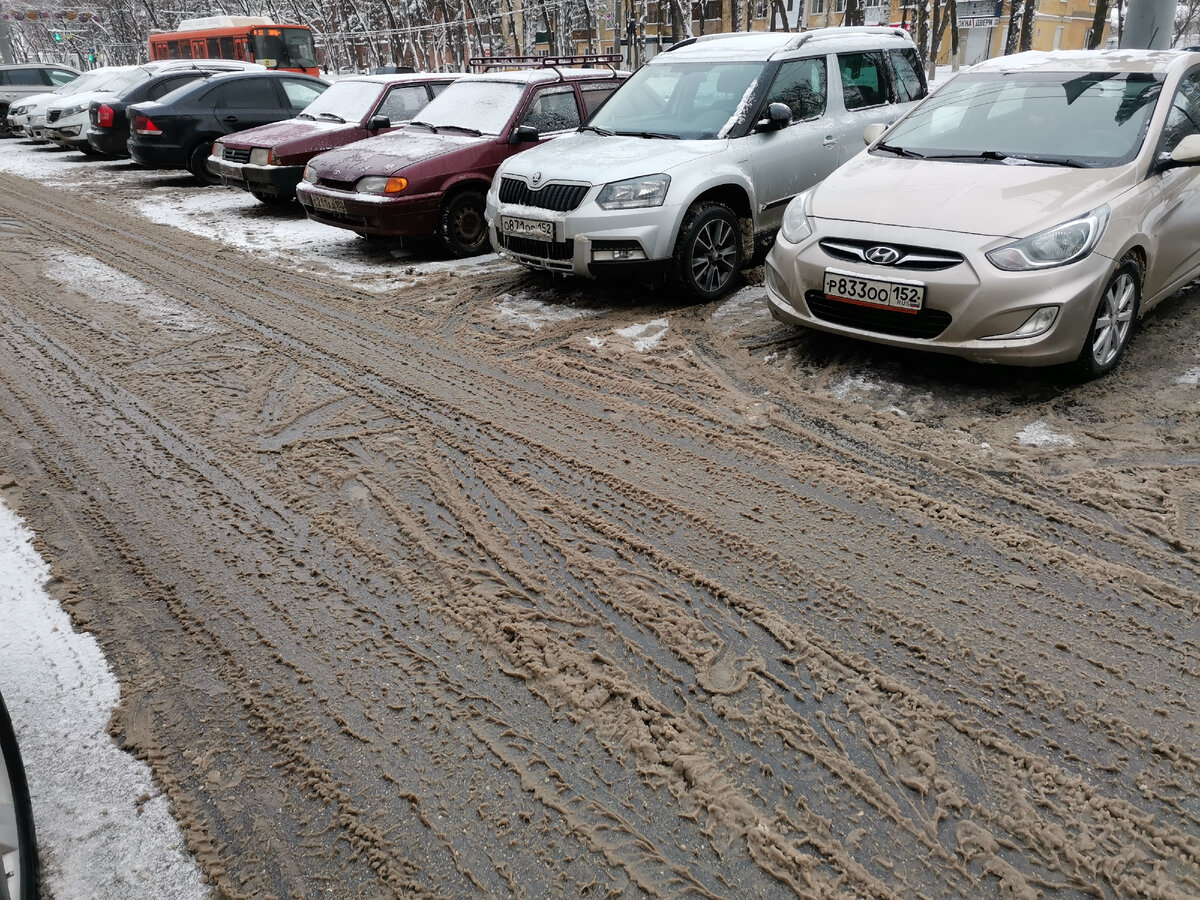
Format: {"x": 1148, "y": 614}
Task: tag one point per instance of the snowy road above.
{"x": 446, "y": 580}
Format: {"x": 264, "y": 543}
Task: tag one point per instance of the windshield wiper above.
{"x": 649, "y": 134}
{"x": 899, "y": 151}
{"x": 603, "y": 132}
{"x": 432, "y": 128}
{"x": 997, "y": 156}
{"x": 329, "y": 115}
{"x": 474, "y": 131}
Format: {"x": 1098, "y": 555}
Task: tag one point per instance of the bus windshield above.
{"x": 278, "y": 47}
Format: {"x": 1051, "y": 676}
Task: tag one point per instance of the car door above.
{"x": 865, "y": 95}
{"x": 1175, "y": 218}
{"x": 785, "y": 161}
{"x": 246, "y": 103}
{"x": 402, "y": 102}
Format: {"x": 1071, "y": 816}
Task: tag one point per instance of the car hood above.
{"x": 584, "y": 155}
{"x": 296, "y": 136}
{"x": 36, "y": 101}
{"x": 83, "y": 98}
{"x": 994, "y": 199}
{"x": 392, "y": 152}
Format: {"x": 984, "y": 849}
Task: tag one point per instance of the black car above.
{"x": 109, "y": 127}
{"x": 178, "y": 131}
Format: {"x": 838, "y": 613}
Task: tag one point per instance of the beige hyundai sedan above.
{"x": 1028, "y": 213}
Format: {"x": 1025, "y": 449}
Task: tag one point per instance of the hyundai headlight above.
{"x": 634, "y": 193}
{"x": 1055, "y": 246}
{"x": 795, "y": 226}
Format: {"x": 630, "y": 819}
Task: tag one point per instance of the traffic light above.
{"x": 91, "y": 57}
{"x": 58, "y": 35}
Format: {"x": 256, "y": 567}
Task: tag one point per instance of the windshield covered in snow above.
{"x": 486, "y": 106}
{"x": 346, "y": 101}
{"x": 1094, "y": 119}
{"x": 689, "y": 100}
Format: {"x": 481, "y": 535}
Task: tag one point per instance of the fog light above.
{"x": 1038, "y": 323}
{"x": 617, "y": 251}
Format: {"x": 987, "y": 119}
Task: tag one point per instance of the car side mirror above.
{"x": 1186, "y": 153}
{"x": 779, "y": 115}
{"x": 378, "y": 123}
{"x": 874, "y": 132}
{"x": 524, "y": 134}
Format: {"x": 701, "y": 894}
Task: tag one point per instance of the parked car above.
{"x": 107, "y": 130}
{"x": 25, "y": 80}
{"x": 27, "y": 115}
{"x": 67, "y": 117}
{"x": 686, "y": 171}
{"x": 1026, "y": 213}
{"x": 430, "y": 176}
{"x": 178, "y": 131}
{"x": 18, "y": 841}
{"x": 268, "y": 161}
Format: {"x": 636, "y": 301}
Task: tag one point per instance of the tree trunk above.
{"x": 1098, "y": 20}
{"x": 1027, "y": 19}
{"x": 1012, "y": 39}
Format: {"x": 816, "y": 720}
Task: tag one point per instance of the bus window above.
{"x": 239, "y": 48}
{"x": 214, "y": 48}
{"x": 227, "y": 48}
{"x": 199, "y": 51}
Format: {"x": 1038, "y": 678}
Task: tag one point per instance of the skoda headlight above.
{"x": 795, "y": 227}
{"x": 380, "y": 184}
{"x": 1055, "y": 246}
{"x": 634, "y": 193}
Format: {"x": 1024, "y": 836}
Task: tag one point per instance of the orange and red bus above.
{"x": 246, "y": 38}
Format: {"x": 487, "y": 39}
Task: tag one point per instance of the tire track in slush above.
{"x": 566, "y": 575}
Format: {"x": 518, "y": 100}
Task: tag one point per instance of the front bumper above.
{"x": 66, "y": 135}
{"x": 275, "y": 181}
{"x": 589, "y": 241}
{"x": 968, "y": 308}
{"x": 414, "y": 216}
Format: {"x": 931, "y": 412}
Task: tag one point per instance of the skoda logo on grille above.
{"x": 536, "y": 179}
{"x": 882, "y": 256}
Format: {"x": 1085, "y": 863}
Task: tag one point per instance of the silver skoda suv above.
{"x": 686, "y": 170}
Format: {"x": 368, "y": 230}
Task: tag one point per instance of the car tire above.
{"x": 1113, "y": 322}
{"x": 24, "y": 883}
{"x": 272, "y": 199}
{"x": 198, "y": 163}
{"x": 461, "y": 225}
{"x": 708, "y": 252}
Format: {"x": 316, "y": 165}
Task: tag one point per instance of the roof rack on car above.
{"x": 799, "y": 39}
{"x": 584, "y": 60}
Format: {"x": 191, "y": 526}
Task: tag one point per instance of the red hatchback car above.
{"x": 430, "y": 177}
{"x": 268, "y": 161}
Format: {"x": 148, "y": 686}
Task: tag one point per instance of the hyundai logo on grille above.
{"x": 882, "y": 256}
{"x": 536, "y": 179}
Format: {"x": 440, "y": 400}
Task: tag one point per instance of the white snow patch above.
{"x": 96, "y": 839}
{"x": 741, "y": 309}
{"x": 1190, "y": 377}
{"x": 1039, "y": 434}
{"x": 532, "y": 312}
{"x": 596, "y": 342}
{"x": 852, "y": 386}
{"x": 645, "y": 336}
{"x": 105, "y": 284}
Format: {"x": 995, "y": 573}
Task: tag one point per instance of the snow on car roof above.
{"x": 1083, "y": 61}
{"x": 759, "y": 46}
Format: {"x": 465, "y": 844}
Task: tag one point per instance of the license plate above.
{"x": 328, "y": 204}
{"x": 902, "y": 296}
{"x": 534, "y": 229}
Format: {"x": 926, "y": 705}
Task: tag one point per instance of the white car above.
{"x": 687, "y": 168}
{"x": 28, "y": 115}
